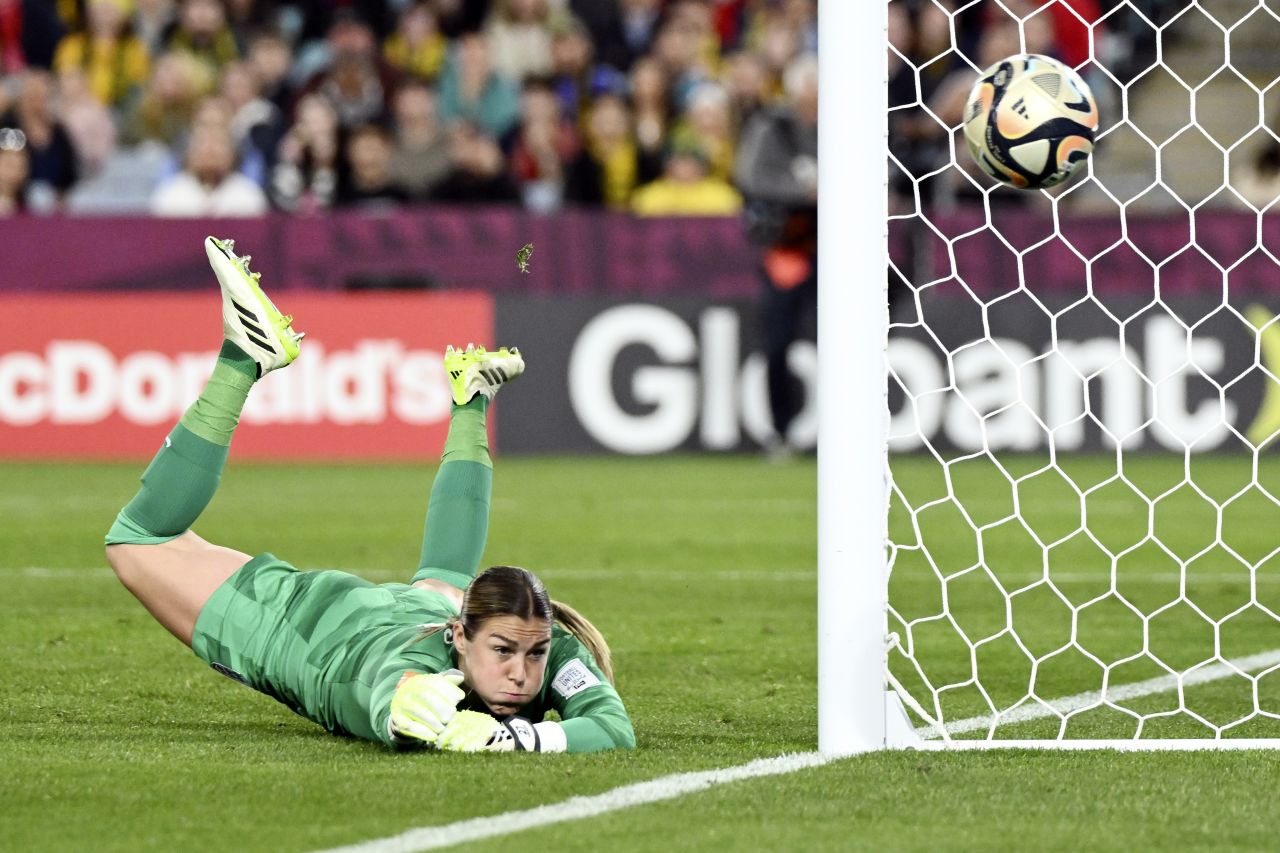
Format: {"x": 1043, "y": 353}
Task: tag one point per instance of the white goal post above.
{"x": 853, "y": 421}
{"x": 1152, "y": 687}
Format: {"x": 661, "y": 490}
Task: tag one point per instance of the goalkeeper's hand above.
{"x": 472, "y": 731}
{"x": 423, "y": 705}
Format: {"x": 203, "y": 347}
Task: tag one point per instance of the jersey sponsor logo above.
{"x": 573, "y": 678}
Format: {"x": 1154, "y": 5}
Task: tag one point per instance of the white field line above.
{"x": 578, "y": 808}
{"x": 1120, "y": 693}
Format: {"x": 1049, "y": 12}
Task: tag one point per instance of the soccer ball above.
{"x": 1030, "y": 121}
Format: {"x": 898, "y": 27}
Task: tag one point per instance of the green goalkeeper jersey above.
{"x": 333, "y": 647}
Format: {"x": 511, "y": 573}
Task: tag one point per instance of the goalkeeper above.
{"x": 452, "y": 660}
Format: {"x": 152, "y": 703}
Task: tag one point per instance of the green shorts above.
{"x": 313, "y": 640}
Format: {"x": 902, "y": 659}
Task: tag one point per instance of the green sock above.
{"x": 468, "y": 438}
{"x": 458, "y": 512}
{"x": 181, "y": 480}
{"x": 215, "y": 413}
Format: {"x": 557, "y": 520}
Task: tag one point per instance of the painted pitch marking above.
{"x": 1119, "y": 693}
{"x": 577, "y": 808}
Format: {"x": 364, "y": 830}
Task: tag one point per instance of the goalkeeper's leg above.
{"x": 458, "y": 511}
{"x": 171, "y": 570}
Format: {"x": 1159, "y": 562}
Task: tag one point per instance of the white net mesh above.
{"x": 1085, "y": 514}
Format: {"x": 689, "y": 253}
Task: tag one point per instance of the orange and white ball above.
{"x": 1030, "y": 121}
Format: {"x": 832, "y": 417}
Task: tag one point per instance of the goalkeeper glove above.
{"x": 423, "y": 705}
{"x": 472, "y": 731}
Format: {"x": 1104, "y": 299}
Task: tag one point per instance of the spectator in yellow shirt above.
{"x": 612, "y": 149}
{"x": 112, "y": 57}
{"x": 202, "y": 31}
{"x": 417, "y": 47}
{"x": 707, "y": 125}
{"x": 686, "y": 189}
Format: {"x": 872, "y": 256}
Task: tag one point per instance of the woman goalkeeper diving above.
{"x": 452, "y": 660}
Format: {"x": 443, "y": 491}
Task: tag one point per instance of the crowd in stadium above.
{"x": 236, "y": 107}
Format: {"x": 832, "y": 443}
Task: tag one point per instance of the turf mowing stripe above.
{"x": 1121, "y": 693}
{"x": 780, "y": 575}
{"x": 578, "y": 808}
{"x": 98, "y": 572}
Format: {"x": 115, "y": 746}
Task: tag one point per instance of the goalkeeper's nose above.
{"x": 517, "y": 671}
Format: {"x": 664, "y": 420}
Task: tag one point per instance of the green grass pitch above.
{"x": 701, "y": 573}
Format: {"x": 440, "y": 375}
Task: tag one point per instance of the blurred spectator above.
{"x": 52, "y": 167}
{"x": 256, "y": 124}
{"x": 115, "y": 59}
{"x": 679, "y": 49}
{"x": 272, "y": 58}
{"x": 686, "y": 189}
{"x": 459, "y": 17}
{"x": 29, "y": 34}
{"x": 473, "y": 92}
{"x": 420, "y": 158}
{"x": 604, "y": 22}
{"x": 202, "y": 31}
{"x": 209, "y": 184}
{"x": 14, "y": 170}
{"x": 69, "y": 11}
{"x": 1259, "y": 184}
{"x": 708, "y": 128}
{"x": 520, "y": 38}
{"x": 747, "y": 81}
{"x": 417, "y": 48}
{"x": 614, "y": 157}
{"x": 696, "y": 17}
{"x": 651, "y": 107}
{"x": 305, "y": 177}
{"x": 777, "y": 170}
{"x": 369, "y": 181}
{"x": 246, "y": 17}
{"x": 575, "y": 78}
{"x": 153, "y": 20}
{"x": 640, "y": 24}
{"x": 165, "y": 109}
{"x": 320, "y": 16}
{"x": 777, "y": 38}
{"x": 545, "y": 149}
{"x": 803, "y": 15}
{"x": 216, "y": 112}
{"x": 730, "y": 19}
{"x": 356, "y": 81}
{"x": 87, "y": 120}
{"x": 786, "y": 28}
{"x": 477, "y": 171}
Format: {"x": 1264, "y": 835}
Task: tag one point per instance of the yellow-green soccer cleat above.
{"x": 249, "y": 320}
{"x": 476, "y": 371}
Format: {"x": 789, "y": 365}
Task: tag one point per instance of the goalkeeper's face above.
{"x": 505, "y": 660}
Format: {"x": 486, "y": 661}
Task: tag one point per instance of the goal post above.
{"x": 1047, "y": 509}
{"x": 853, "y": 419}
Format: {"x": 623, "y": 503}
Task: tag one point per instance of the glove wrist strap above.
{"x": 551, "y": 737}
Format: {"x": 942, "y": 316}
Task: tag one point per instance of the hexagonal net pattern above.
{"x": 1084, "y": 382}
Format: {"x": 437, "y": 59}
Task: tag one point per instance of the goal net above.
{"x": 1082, "y": 543}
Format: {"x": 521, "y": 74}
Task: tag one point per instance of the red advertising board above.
{"x": 106, "y": 376}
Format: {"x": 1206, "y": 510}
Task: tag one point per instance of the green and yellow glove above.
{"x": 472, "y": 731}
{"x": 423, "y": 705}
